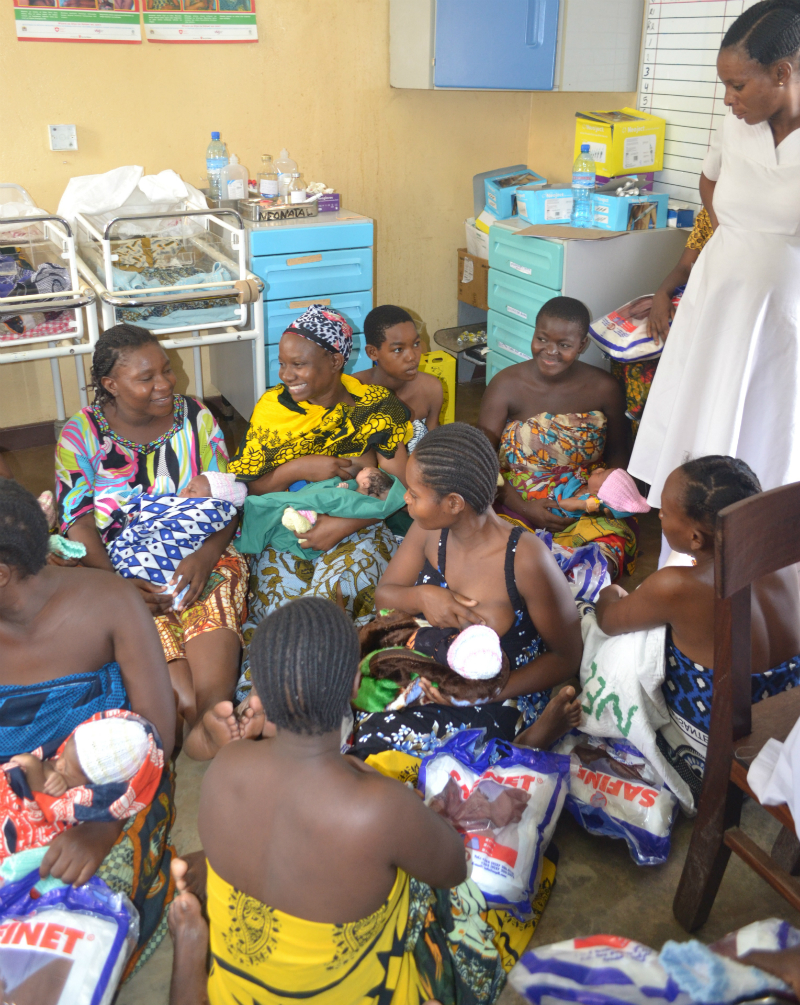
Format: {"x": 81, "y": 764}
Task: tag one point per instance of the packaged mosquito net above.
{"x": 622, "y": 334}
{"x": 63, "y": 946}
{"x": 505, "y": 801}
{"x": 614, "y": 791}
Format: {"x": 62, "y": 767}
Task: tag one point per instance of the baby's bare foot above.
{"x": 561, "y": 714}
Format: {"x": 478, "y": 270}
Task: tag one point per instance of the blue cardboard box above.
{"x": 545, "y": 205}
{"x": 501, "y": 191}
{"x": 630, "y": 212}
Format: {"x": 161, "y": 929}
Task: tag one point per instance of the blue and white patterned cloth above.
{"x": 160, "y": 531}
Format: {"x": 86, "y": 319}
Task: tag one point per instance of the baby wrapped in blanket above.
{"x": 610, "y": 491}
{"x": 109, "y": 768}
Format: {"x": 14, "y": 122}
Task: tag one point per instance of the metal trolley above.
{"x": 43, "y": 325}
{"x": 183, "y": 275}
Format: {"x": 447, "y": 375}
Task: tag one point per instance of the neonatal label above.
{"x": 513, "y": 310}
{"x": 639, "y": 151}
{"x": 520, "y": 268}
{"x": 510, "y": 349}
{"x": 559, "y": 208}
{"x": 468, "y": 271}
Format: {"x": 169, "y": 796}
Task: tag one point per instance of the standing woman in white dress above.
{"x": 729, "y": 378}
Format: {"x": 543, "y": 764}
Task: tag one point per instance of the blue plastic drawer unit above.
{"x": 510, "y": 337}
{"x": 496, "y": 361}
{"x": 519, "y": 299}
{"x": 326, "y": 259}
{"x": 539, "y": 262}
{"x": 279, "y": 314}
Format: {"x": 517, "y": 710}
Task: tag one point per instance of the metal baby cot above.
{"x": 182, "y": 274}
{"x": 46, "y": 310}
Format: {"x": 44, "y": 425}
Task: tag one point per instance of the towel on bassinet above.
{"x": 621, "y": 678}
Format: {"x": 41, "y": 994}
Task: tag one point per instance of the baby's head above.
{"x": 374, "y": 482}
{"x": 616, "y": 488}
{"x": 695, "y": 493}
{"x": 103, "y": 752}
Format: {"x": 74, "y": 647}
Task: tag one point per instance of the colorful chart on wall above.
{"x": 78, "y": 20}
{"x": 200, "y": 20}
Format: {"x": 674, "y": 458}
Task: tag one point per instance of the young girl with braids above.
{"x": 462, "y": 564}
{"x": 683, "y": 598}
{"x": 140, "y": 439}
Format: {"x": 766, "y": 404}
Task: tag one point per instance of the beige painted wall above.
{"x": 317, "y": 82}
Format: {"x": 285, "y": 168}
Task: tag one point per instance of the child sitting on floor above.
{"x": 683, "y": 598}
{"x": 607, "y": 491}
{"x": 107, "y": 769}
{"x": 394, "y": 346}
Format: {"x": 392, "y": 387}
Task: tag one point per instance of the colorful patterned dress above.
{"x": 100, "y": 472}
{"x": 545, "y": 451}
{"x": 281, "y": 430}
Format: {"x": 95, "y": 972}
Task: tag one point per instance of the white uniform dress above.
{"x": 729, "y": 378}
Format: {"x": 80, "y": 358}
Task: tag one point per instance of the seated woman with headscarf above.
{"x": 552, "y": 418}
{"x": 320, "y": 423}
{"x": 75, "y": 643}
{"x": 140, "y": 441}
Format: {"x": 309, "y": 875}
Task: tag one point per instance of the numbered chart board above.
{"x": 679, "y": 82}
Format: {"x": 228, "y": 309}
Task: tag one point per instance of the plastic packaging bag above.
{"x": 614, "y": 791}
{"x": 505, "y": 801}
{"x": 622, "y": 334}
{"x": 65, "y": 946}
{"x": 610, "y": 970}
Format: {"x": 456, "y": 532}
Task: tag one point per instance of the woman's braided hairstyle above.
{"x": 459, "y": 458}
{"x": 303, "y": 661}
{"x": 110, "y": 346}
{"x": 24, "y": 533}
{"x": 768, "y": 31}
{"x": 714, "y": 482}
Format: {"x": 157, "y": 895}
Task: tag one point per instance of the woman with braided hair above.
{"x": 141, "y": 439}
{"x": 462, "y": 564}
{"x": 683, "y": 598}
{"x": 727, "y": 382}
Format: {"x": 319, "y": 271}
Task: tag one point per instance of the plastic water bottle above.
{"x": 583, "y": 178}
{"x": 216, "y": 160}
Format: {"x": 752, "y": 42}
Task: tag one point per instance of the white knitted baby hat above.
{"x": 475, "y": 653}
{"x": 111, "y": 750}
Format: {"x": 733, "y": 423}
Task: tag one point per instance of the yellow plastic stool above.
{"x": 443, "y": 365}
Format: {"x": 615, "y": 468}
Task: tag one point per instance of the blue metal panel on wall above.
{"x": 504, "y": 44}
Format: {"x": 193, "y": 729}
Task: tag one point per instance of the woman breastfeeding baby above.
{"x": 462, "y": 565}
{"x": 555, "y": 420}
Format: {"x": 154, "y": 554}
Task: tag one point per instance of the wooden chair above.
{"x": 754, "y": 537}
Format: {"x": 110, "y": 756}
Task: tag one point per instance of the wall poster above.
{"x": 200, "y": 20}
{"x": 78, "y": 20}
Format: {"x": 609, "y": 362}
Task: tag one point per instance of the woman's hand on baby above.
{"x": 317, "y": 468}
{"x": 661, "y": 314}
{"x": 538, "y": 512}
{"x": 154, "y": 596}
{"x": 75, "y": 855}
{"x": 324, "y": 535}
{"x": 198, "y": 487}
{"x": 193, "y": 571}
{"x": 447, "y": 609}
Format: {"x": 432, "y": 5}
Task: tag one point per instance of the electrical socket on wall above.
{"x": 63, "y": 137}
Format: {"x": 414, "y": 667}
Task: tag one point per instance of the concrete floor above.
{"x": 599, "y": 889}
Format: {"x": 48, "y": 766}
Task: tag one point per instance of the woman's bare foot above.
{"x": 190, "y": 874}
{"x": 217, "y": 727}
{"x": 251, "y": 717}
{"x": 561, "y": 714}
{"x": 189, "y": 931}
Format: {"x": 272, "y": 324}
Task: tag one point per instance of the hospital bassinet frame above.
{"x": 218, "y": 225}
{"x": 82, "y": 332}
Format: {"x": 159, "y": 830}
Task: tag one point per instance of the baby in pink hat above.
{"x": 608, "y": 491}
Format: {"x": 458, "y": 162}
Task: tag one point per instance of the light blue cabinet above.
{"x": 325, "y": 259}
{"x": 503, "y": 44}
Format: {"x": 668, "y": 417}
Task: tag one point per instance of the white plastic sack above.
{"x": 622, "y": 334}
{"x": 128, "y": 188}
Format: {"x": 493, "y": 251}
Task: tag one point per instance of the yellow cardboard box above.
{"x": 623, "y": 141}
